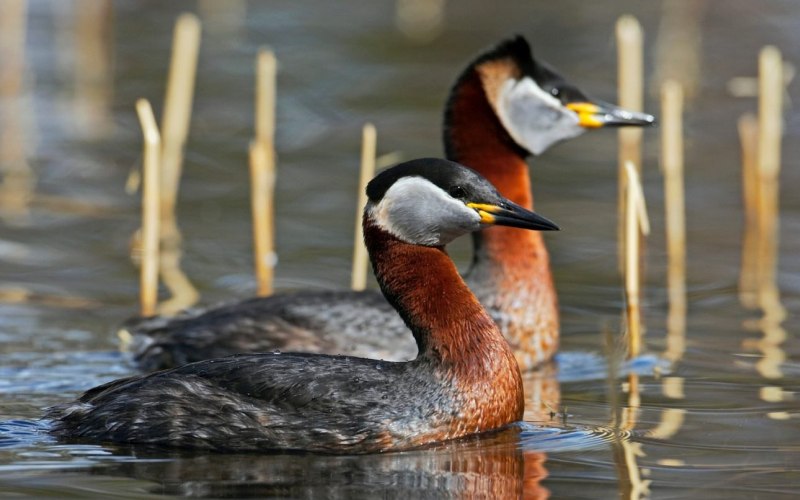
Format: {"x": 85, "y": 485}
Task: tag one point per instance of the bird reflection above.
{"x": 489, "y": 466}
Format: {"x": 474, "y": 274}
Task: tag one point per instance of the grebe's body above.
{"x": 504, "y": 106}
{"x": 465, "y": 379}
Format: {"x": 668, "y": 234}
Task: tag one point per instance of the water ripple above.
{"x": 572, "y": 438}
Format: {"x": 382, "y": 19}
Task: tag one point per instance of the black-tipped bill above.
{"x": 512, "y": 215}
{"x": 600, "y": 114}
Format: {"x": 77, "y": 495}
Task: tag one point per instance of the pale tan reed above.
{"x": 262, "y": 172}
{"x": 178, "y": 106}
{"x": 748, "y": 277}
{"x": 360, "y": 257}
{"x": 262, "y": 184}
{"x": 770, "y": 108}
{"x": 675, "y": 214}
{"x": 630, "y": 78}
{"x": 175, "y": 130}
{"x": 634, "y": 226}
{"x": 150, "y": 209}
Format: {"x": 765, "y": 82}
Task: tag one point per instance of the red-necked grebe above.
{"x": 465, "y": 379}
{"x": 505, "y": 106}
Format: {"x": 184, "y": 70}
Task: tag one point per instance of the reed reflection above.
{"x": 761, "y": 159}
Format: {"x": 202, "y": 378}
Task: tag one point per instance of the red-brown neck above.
{"x": 475, "y": 137}
{"x": 449, "y": 324}
{"x": 511, "y": 269}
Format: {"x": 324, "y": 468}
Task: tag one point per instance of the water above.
{"x": 721, "y": 422}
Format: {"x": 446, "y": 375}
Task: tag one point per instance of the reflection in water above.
{"x": 492, "y": 466}
{"x": 626, "y": 452}
{"x": 769, "y": 345}
{"x": 672, "y": 419}
{"x": 762, "y": 165}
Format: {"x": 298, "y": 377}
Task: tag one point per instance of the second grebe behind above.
{"x": 465, "y": 379}
{"x": 503, "y": 107}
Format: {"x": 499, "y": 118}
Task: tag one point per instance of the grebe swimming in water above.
{"x": 503, "y": 107}
{"x": 465, "y": 379}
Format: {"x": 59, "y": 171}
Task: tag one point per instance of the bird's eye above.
{"x": 457, "y": 192}
{"x": 555, "y": 91}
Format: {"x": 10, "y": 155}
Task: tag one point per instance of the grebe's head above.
{"x": 536, "y": 105}
{"x": 431, "y": 201}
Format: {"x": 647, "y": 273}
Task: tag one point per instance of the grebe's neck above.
{"x": 510, "y": 271}
{"x": 475, "y": 137}
{"x": 447, "y": 321}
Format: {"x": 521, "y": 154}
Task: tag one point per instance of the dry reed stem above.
{"x": 770, "y": 107}
{"x": 633, "y": 226}
{"x": 93, "y": 72}
{"x": 178, "y": 108}
{"x": 748, "y": 277}
{"x": 18, "y": 179}
{"x": 262, "y": 171}
{"x": 262, "y": 183}
{"x": 14, "y": 25}
{"x": 630, "y": 76}
{"x": 360, "y": 257}
{"x": 266, "y": 69}
{"x": 175, "y": 129}
{"x": 675, "y": 214}
{"x": 150, "y": 208}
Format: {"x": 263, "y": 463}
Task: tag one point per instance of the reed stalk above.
{"x": 150, "y": 209}
{"x": 635, "y": 225}
{"x": 672, "y": 169}
{"x": 17, "y": 178}
{"x": 262, "y": 182}
{"x": 360, "y": 257}
{"x": 178, "y": 107}
{"x": 770, "y": 107}
{"x": 175, "y": 130}
{"x": 262, "y": 172}
{"x": 749, "y": 275}
{"x": 630, "y": 77}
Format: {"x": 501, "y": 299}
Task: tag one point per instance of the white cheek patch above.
{"x": 419, "y": 212}
{"x": 533, "y": 118}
